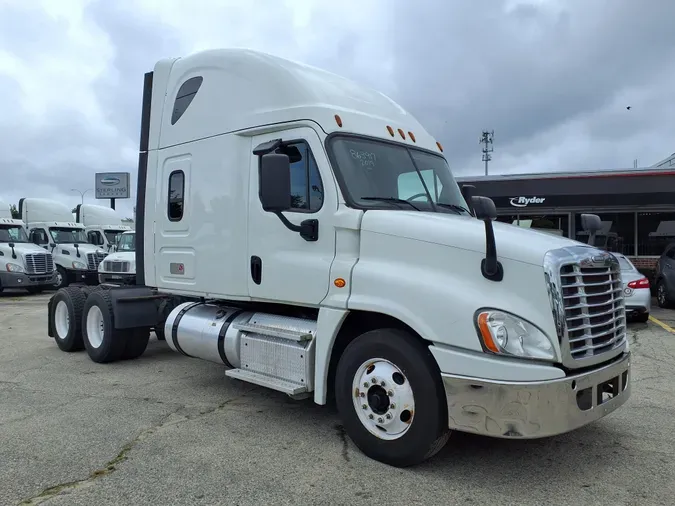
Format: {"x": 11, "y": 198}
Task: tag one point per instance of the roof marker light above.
{"x": 412, "y": 136}
{"x": 391, "y": 130}
{"x": 400, "y": 132}
{"x": 338, "y": 120}
{"x": 439, "y": 146}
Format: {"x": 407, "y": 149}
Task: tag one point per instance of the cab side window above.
{"x": 306, "y": 184}
{"x": 95, "y": 237}
{"x": 39, "y": 236}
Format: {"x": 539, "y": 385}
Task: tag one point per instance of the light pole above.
{"x": 80, "y": 192}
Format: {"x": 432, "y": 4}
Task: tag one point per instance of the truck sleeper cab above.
{"x": 307, "y": 234}
{"x": 103, "y": 225}
{"x": 22, "y": 264}
{"x": 50, "y": 225}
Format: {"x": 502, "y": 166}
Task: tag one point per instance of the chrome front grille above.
{"x": 594, "y": 309}
{"x": 39, "y": 263}
{"x": 116, "y": 266}
{"x": 93, "y": 259}
{"x": 586, "y": 295}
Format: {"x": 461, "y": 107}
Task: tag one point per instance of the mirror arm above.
{"x": 490, "y": 267}
{"x": 308, "y": 229}
{"x": 290, "y": 226}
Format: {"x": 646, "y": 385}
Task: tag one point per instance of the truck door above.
{"x": 284, "y": 267}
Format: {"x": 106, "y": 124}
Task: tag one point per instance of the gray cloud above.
{"x": 553, "y": 79}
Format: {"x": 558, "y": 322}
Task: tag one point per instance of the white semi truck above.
{"x": 278, "y": 235}
{"x": 120, "y": 267}
{"x": 50, "y": 225}
{"x": 22, "y": 264}
{"x": 102, "y": 224}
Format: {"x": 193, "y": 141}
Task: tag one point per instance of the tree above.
{"x": 74, "y": 211}
{"x": 15, "y": 212}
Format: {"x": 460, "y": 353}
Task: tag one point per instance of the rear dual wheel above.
{"x": 391, "y": 399}
{"x": 105, "y": 343}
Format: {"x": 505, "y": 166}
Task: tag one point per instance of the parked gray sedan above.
{"x": 636, "y": 290}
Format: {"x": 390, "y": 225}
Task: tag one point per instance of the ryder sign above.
{"x": 526, "y": 201}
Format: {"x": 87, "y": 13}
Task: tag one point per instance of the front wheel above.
{"x": 391, "y": 399}
{"x": 61, "y": 278}
{"x": 662, "y": 296}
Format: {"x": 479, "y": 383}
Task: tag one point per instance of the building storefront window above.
{"x": 556, "y": 224}
{"x": 617, "y": 234}
{"x": 655, "y": 230}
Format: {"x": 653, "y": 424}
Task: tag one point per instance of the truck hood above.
{"x": 465, "y": 232}
{"x": 20, "y": 248}
{"x": 84, "y": 249}
{"x": 124, "y": 256}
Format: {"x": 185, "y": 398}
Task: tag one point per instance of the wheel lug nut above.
{"x": 388, "y": 416}
{"x": 364, "y": 406}
{"x": 374, "y": 381}
{"x": 371, "y": 416}
{"x": 366, "y": 384}
{"x": 362, "y": 394}
{"x": 382, "y": 383}
{"x": 392, "y": 406}
{"x": 390, "y": 393}
{"x": 380, "y": 420}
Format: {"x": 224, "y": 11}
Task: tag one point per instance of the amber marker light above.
{"x": 338, "y": 120}
{"x": 486, "y": 334}
{"x": 390, "y": 130}
{"x": 439, "y": 146}
{"x": 412, "y": 136}
{"x": 339, "y": 282}
{"x": 400, "y": 132}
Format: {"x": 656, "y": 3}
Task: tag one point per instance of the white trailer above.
{"x": 22, "y": 264}
{"x": 50, "y": 225}
{"x": 102, "y": 224}
{"x": 279, "y": 234}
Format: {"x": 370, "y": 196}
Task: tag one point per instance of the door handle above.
{"x": 256, "y": 269}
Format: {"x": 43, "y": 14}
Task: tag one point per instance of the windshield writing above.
{"x": 12, "y": 233}
{"x": 62, "y": 235}
{"x": 127, "y": 242}
{"x": 380, "y": 173}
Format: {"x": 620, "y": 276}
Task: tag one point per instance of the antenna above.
{"x": 486, "y": 140}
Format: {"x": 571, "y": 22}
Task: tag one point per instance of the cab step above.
{"x": 263, "y": 380}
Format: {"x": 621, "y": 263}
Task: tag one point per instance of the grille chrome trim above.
{"x": 590, "y": 322}
{"x": 116, "y": 265}
{"x": 93, "y": 259}
{"x": 38, "y": 263}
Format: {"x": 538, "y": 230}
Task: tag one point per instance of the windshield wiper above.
{"x": 393, "y": 199}
{"x": 454, "y": 207}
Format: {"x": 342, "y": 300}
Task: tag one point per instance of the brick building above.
{"x": 637, "y": 206}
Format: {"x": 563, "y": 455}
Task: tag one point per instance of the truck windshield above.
{"x": 12, "y": 233}
{"x": 378, "y": 173}
{"x": 126, "y": 243}
{"x": 112, "y": 235}
{"x": 63, "y": 235}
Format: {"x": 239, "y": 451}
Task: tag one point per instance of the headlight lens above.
{"x": 79, "y": 265}
{"x": 14, "y": 268}
{"x": 506, "y": 334}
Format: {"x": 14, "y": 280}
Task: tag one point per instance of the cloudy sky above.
{"x": 553, "y": 78}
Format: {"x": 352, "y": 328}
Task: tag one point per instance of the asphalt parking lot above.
{"x": 165, "y": 429}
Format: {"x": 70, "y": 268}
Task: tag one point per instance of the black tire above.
{"x": 112, "y": 341}
{"x": 33, "y": 290}
{"x": 74, "y": 299}
{"x": 428, "y": 430}
{"x": 662, "y": 298}
{"x": 64, "y": 278}
{"x": 159, "y": 334}
{"x": 137, "y": 342}
{"x": 642, "y": 318}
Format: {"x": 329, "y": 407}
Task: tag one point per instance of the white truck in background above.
{"x": 50, "y": 225}
{"x": 280, "y": 236}
{"x": 102, "y": 224}
{"x": 120, "y": 267}
{"x": 22, "y": 264}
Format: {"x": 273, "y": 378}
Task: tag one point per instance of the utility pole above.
{"x": 486, "y": 140}
{"x": 80, "y": 192}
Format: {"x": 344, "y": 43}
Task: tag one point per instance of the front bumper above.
{"x": 117, "y": 278}
{"x": 528, "y": 410}
{"x": 22, "y": 280}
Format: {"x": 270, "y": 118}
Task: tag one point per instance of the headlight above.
{"x": 506, "y": 334}
{"x": 14, "y": 268}
{"x": 79, "y": 265}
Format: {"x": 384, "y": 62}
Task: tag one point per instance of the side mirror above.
{"x": 275, "y": 182}
{"x": 591, "y": 223}
{"x": 484, "y": 207}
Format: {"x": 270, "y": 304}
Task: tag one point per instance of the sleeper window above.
{"x": 176, "y": 195}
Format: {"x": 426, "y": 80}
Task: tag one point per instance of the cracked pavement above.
{"x": 166, "y": 429}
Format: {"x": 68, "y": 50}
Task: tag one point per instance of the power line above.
{"x": 486, "y": 140}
